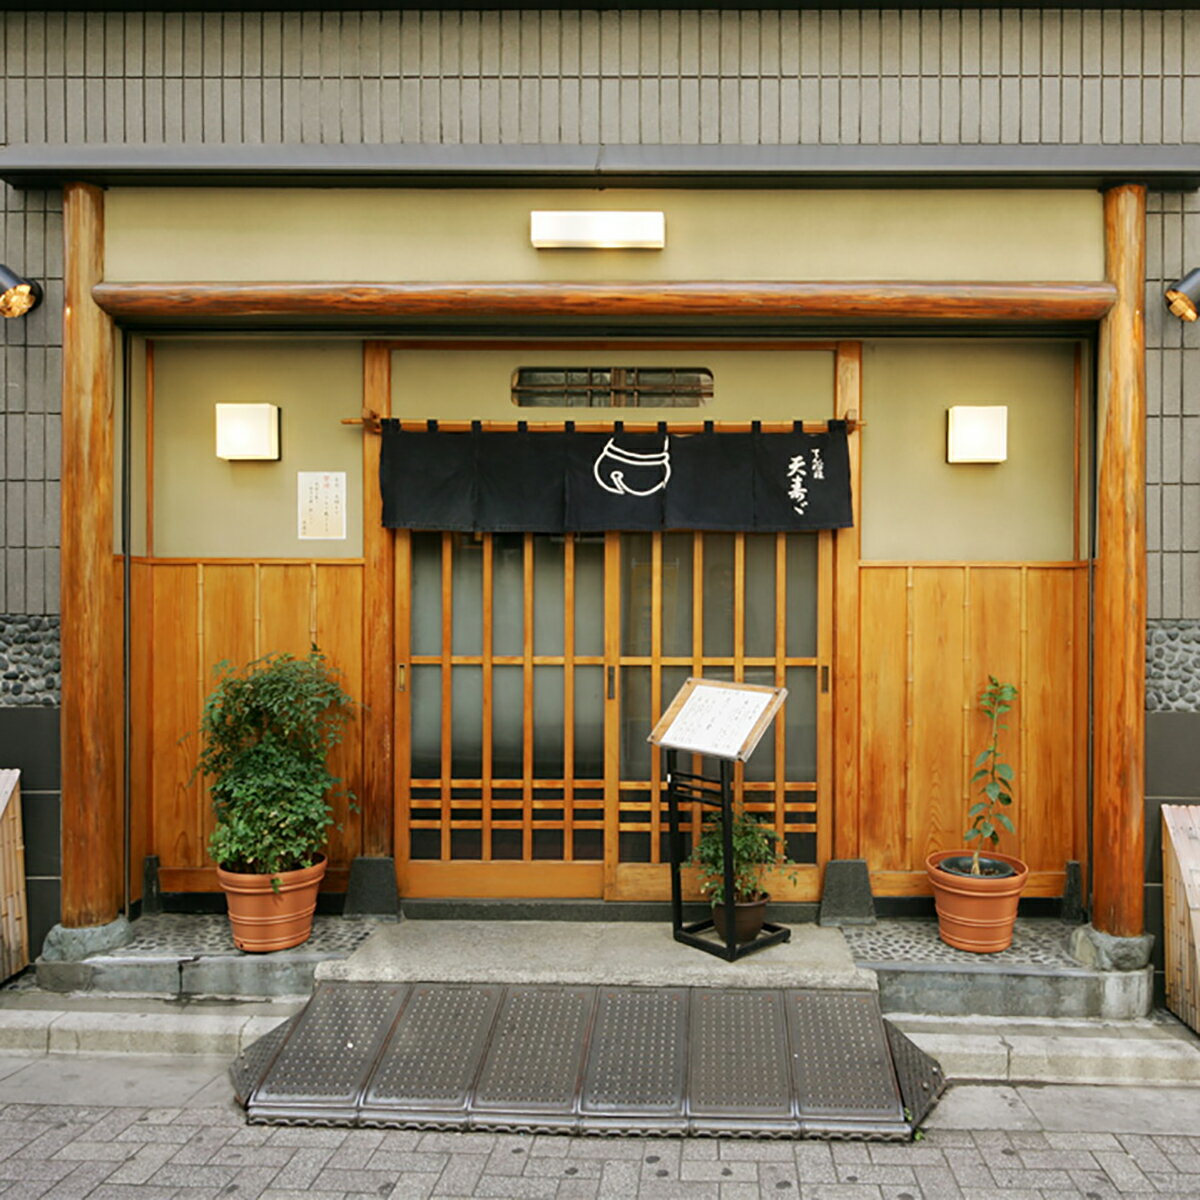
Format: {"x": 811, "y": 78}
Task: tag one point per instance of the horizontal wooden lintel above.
{"x": 773, "y": 302}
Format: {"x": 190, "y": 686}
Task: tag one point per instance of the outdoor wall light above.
{"x": 1183, "y": 297}
{"x": 19, "y": 295}
{"x": 597, "y": 230}
{"x": 248, "y": 432}
{"x": 977, "y": 434}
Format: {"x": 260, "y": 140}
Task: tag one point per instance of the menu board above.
{"x": 725, "y": 720}
{"x": 321, "y": 501}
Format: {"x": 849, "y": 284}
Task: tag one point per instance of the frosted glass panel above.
{"x": 589, "y": 596}
{"x": 801, "y": 720}
{"x": 636, "y": 722}
{"x": 677, "y": 594}
{"x": 508, "y": 574}
{"x": 718, "y": 594}
{"x": 760, "y": 595}
{"x": 589, "y": 722}
{"x": 426, "y": 690}
{"x": 802, "y": 595}
{"x": 547, "y": 722}
{"x": 507, "y": 708}
{"x": 760, "y": 766}
{"x": 426, "y": 605}
{"x": 636, "y": 573}
{"x": 547, "y": 595}
{"x": 466, "y": 725}
{"x": 468, "y": 596}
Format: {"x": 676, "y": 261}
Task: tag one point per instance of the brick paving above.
{"x": 90, "y": 1152}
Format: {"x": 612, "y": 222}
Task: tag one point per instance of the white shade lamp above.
{"x": 590, "y": 230}
{"x": 248, "y": 432}
{"x": 977, "y": 434}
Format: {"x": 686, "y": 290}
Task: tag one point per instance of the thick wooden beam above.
{"x": 91, "y": 619}
{"x": 1119, "y": 639}
{"x": 746, "y": 300}
{"x": 379, "y": 651}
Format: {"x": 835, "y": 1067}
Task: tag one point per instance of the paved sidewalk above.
{"x": 95, "y": 1128}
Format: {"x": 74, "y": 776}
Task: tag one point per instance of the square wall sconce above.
{"x": 248, "y": 432}
{"x": 977, "y": 434}
{"x": 597, "y": 230}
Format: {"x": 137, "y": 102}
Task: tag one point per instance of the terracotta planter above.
{"x": 263, "y": 919}
{"x": 976, "y": 912}
{"x": 748, "y": 917}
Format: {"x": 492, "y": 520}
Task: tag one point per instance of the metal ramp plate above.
{"x": 604, "y": 1060}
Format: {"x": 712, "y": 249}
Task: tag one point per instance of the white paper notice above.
{"x": 322, "y": 504}
{"x": 716, "y": 720}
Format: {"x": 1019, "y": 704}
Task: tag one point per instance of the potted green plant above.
{"x": 266, "y": 732}
{"x": 976, "y": 891}
{"x": 756, "y": 848}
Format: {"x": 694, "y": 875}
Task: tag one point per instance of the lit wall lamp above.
{"x": 248, "y": 432}
{"x": 977, "y": 434}
{"x": 597, "y": 230}
{"x": 19, "y": 295}
{"x": 1183, "y": 297}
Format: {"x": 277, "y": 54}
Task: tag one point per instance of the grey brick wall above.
{"x": 1012, "y": 76}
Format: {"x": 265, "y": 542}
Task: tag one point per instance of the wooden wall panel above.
{"x": 199, "y": 615}
{"x": 141, "y": 667}
{"x": 931, "y": 635}
{"x": 172, "y": 708}
{"x": 338, "y": 598}
{"x": 936, "y": 788}
{"x": 1048, "y": 712}
{"x": 883, "y": 832}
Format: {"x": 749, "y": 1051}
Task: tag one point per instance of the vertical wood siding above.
{"x": 930, "y": 637}
{"x": 189, "y": 616}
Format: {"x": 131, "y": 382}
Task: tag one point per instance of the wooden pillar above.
{"x": 1119, "y": 636}
{"x": 91, "y": 617}
{"x": 379, "y": 651}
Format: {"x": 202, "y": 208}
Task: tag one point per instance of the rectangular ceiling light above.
{"x": 597, "y": 230}
{"x": 977, "y": 434}
{"x": 248, "y": 432}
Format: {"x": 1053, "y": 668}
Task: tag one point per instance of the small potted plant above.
{"x": 756, "y": 848}
{"x": 976, "y": 892}
{"x": 267, "y": 729}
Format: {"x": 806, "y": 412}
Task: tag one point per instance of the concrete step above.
{"x": 1154, "y": 1050}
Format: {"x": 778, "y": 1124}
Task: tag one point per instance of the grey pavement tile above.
{"x": 759, "y": 1151}
{"x": 304, "y": 1166}
{"x": 1081, "y": 1140}
{"x": 850, "y": 1152}
{"x": 353, "y": 1180}
{"x": 507, "y": 1160}
{"x": 776, "y": 1179}
{"x": 53, "y": 1138}
{"x": 165, "y": 1135}
{"x": 1028, "y": 1139}
{"x": 938, "y": 1183}
{"x": 676, "y": 1189}
{"x": 1016, "y": 1179}
{"x": 839, "y": 1191}
{"x": 116, "y": 1080}
{"x": 80, "y": 1151}
{"x": 740, "y": 1191}
{"x": 356, "y": 1151}
{"x": 251, "y": 1156}
{"x": 910, "y": 1155}
{"x": 1154, "y": 1110}
{"x": 1126, "y": 1175}
{"x": 1177, "y": 1185}
{"x": 12, "y": 1145}
{"x": 142, "y": 1163}
{"x": 276, "y": 1193}
{"x": 119, "y": 1191}
{"x": 618, "y": 1179}
{"x": 1058, "y": 1160}
{"x": 869, "y": 1173}
{"x": 415, "y": 1186}
{"x": 718, "y": 1171}
{"x": 404, "y": 1160}
{"x": 193, "y": 1176}
{"x": 33, "y": 1169}
{"x": 1145, "y": 1152}
{"x": 1095, "y": 1183}
{"x": 701, "y": 1148}
{"x": 287, "y": 1135}
{"x": 467, "y": 1143}
{"x": 980, "y": 1106}
{"x": 577, "y": 1189}
{"x": 202, "y": 1145}
{"x": 606, "y": 1148}
{"x": 461, "y": 1174}
{"x": 510, "y": 1187}
{"x": 559, "y": 1168}
{"x": 548, "y": 1145}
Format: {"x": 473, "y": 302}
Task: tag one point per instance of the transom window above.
{"x": 611, "y": 387}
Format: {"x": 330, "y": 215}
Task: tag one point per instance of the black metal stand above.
{"x": 717, "y": 793}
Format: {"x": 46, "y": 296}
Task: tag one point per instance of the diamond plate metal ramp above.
{"x": 766, "y": 1062}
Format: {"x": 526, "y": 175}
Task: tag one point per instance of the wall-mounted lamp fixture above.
{"x": 17, "y": 294}
{"x": 597, "y": 230}
{"x": 1183, "y": 296}
{"x": 977, "y": 434}
{"x": 248, "y": 432}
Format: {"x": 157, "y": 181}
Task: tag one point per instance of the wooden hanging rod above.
{"x": 371, "y": 423}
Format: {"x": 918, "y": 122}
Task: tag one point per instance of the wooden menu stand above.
{"x": 724, "y": 721}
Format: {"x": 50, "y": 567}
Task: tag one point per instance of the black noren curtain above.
{"x": 587, "y": 482}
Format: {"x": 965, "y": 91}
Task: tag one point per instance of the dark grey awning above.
{"x": 1162, "y": 167}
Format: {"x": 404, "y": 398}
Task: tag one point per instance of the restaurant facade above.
{"x": 863, "y": 224}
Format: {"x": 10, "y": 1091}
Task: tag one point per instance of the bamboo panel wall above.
{"x": 189, "y": 616}
{"x": 14, "y": 920}
{"x": 931, "y": 634}
{"x": 1181, "y": 899}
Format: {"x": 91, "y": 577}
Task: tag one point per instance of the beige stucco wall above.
{"x": 379, "y": 235}
{"x": 766, "y": 385}
{"x": 207, "y": 507}
{"x": 918, "y": 507}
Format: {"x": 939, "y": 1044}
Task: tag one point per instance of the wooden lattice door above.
{"x": 531, "y": 670}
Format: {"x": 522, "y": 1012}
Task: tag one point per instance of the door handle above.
{"x": 612, "y": 682}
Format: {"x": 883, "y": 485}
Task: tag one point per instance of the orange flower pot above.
{"x": 976, "y": 912}
{"x": 264, "y": 919}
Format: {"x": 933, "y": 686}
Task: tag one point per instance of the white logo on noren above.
{"x": 631, "y": 473}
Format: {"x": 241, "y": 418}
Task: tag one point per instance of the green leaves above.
{"x": 997, "y": 777}
{"x": 755, "y": 847}
{"x": 267, "y": 730}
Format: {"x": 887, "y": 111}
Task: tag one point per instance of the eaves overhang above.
{"x": 1168, "y": 168}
